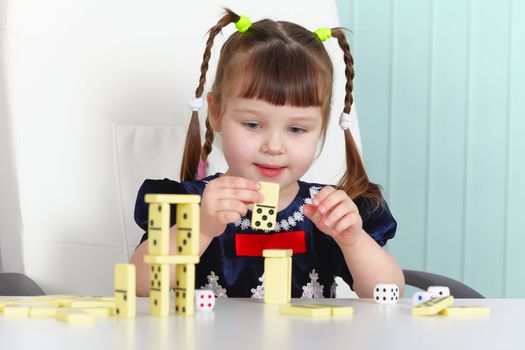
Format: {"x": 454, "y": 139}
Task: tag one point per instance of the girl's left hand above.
{"x": 334, "y": 213}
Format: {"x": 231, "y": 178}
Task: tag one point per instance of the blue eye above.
{"x": 296, "y": 130}
{"x": 251, "y": 125}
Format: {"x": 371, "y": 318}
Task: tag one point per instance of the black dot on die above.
{"x": 158, "y": 269}
{"x": 257, "y": 223}
{"x": 177, "y": 294}
{"x": 384, "y": 290}
{"x": 177, "y": 308}
{"x": 153, "y": 283}
{"x": 264, "y": 217}
{"x": 151, "y": 222}
{"x": 184, "y": 242}
{"x": 271, "y": 212}
{"x": 160, "y": 207}
{"x": 117, "y": 311}
{"x": 184, "y": 295}
{"x": 184, "y": 269}
{"x": 269, "y": 225}
{"x": 154, "y": 242}
{"x": 189, "y": 235}
{"x": 377, "y": 298}
{"x": 158, "y": 284}
{"x": 156, "y": 276}
{"x": 183, "y": 309}
{"x": 180, "y": 249}
{"x": 384, "y": 298}
{"x": 440, "y": 293}
{"x": 377, "y": 289}
{"x": 125, "y": 297}
{"x": 155, "y": 302}
{"x": 153, "y": 269}
{"x": 184, "y": 216}
{"x": 259, "y": 210}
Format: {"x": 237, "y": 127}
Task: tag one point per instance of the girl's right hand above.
{"x": 224, "y": 201}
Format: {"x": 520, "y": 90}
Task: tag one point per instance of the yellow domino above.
{"x": 188, "y": 229}
{"x": 159, "y": 228}
{"x": 91, "y": 302}
{"x": 16, "y": 310}
{"x": 172, "y": 198}
{"x": 31, "y": 302}
{"x": 98, "y": 311}
{"x": 277, "y": 253}
{"x": 3, "y": 303}
{"x": 264, "y": 213}
{"x": 336, "y": 310}
{"x": 303, "y": 310}
{"x": 185, "y": 289}
{"x": 74, "y": 316}
{"x": 277, "y": 280}
{"x": 159, "y": 290}
{"x": 125, "y": 292}
{"x": 466, "y": 311}
{"x": 433, "y": 306}
{"x": 43, "y": 311}
{"x": 171, "y": 259}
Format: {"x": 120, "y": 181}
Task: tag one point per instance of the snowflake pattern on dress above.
{"x": 313, "y": 289}
{"x": 215, "y": 286}
{"x": 284, "y": 224}
{"x": 258, "y": 293}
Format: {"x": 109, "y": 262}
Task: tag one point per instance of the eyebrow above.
{"x": 306, "y": 118}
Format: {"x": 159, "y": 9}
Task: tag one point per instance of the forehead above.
{"x": 263, "y": 109}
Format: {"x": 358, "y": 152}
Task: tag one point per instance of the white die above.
{"x": 438, "y": 291}
{"x": 204, "y": 299}
{"x": 420, "y": 297}
{"x": 386, "y": 294}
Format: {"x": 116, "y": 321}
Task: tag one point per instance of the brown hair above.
{"x": 282, "y": 63}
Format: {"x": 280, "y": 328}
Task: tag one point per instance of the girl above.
{"x": 270, "y": 103}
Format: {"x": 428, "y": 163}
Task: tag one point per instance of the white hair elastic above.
{"x": 196, "y": 103}
{"x": 345, "y": 121}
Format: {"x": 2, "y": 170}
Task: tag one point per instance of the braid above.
{"x": 192, "y": 147}
{"x": 355, "y": 181}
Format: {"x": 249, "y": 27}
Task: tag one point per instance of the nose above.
{"x": 273, "y": 144}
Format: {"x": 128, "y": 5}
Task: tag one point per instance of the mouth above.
{"x": 269, "y": 170}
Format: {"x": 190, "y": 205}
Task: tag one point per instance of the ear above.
{"x": 213, "y": 112}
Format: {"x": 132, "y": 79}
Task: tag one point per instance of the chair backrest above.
{"x": 96, "y": 101}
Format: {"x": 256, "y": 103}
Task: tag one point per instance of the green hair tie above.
{"x": 323, "y": 33}
{"x": 243, "y": 24}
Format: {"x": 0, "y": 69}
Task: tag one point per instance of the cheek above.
{"x": 235, "y": 147}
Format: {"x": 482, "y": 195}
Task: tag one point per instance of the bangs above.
{"x": 283, "y": 75}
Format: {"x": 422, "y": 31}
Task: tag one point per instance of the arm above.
{"x": 335, "y": 214}
{"x": 370, "y": 265}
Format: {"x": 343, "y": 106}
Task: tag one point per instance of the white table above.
{"x": 250, "y": 324}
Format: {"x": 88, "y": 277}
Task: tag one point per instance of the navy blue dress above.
{"x": 239, "y": 276}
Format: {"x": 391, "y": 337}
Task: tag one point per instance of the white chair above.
{"x": 93, "y": 100}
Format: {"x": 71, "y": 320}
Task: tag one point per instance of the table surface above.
{"x": 250, "y": 324}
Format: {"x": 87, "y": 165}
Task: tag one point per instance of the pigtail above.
{"x": 355, "y": 181}
{"x": 193, "y": 153}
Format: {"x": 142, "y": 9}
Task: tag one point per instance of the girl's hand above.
{"x": 225, "y": 200}
{"x": 334, "y": 213}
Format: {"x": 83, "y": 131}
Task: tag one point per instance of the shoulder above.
{"x": 378, "y": 221}
{"x": 165, "y": 186}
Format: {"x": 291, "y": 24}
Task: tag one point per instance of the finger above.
{"x": 246, "y": 196}
{"x": 346, "y": 222}
{"x": 333, "y": 216}
{"x": 227, "y": 217}
{"x": 237, "y": 182}
{"x": 321, "y": 195}
{"x": 231, "y": 205}
{"x": 332, "y": 200}
{"x": 311, "y": 212}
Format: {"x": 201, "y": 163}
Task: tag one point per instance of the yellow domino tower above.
{"x": 187, "y": 255}
{"x": 277, "y": 276}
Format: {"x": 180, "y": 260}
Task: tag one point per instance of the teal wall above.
{"x": 440, "y": 93}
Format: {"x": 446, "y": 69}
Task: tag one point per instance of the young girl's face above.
{"x": 264, "y": 142}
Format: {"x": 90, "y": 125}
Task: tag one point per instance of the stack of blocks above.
{"x": 277, "y": 276}
{"x": 187, "y": 216}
